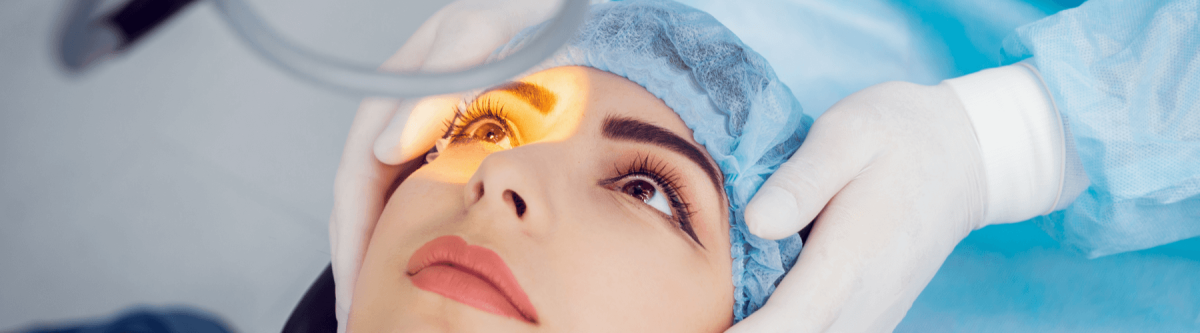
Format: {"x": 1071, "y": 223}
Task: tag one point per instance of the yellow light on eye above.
{"x": 505, "y": 143}
{"x": 490, "y": 132}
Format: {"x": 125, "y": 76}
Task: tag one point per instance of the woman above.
{"x": 602, "y": 192}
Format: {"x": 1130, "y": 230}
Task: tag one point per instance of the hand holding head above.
{"x": 893, "y": 178}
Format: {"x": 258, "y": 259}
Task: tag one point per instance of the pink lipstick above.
{"x": 472, "y": 275}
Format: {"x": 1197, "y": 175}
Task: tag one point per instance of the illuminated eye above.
{"x": 489, "y": 130}
{"x": 647, "y": 191}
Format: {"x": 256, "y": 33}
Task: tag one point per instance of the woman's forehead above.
{"x": 612, "y": 108}
{"x": 593, "y": 95}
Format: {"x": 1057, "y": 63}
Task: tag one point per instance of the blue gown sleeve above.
{"x": 1125, "y": 75}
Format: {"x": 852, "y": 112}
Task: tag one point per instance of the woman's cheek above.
{"x": 422, "y": 203}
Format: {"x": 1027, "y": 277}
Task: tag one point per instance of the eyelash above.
{"x": 482, "y": 108}
{"x": 657, "y": 171}
{"x": 487, "y": 108}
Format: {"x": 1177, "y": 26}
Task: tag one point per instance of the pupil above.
{"x": 490, "y": 132}
{"x": 639, "y": 189}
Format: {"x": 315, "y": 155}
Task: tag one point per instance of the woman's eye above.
{"x": 488, "y": 130}
{"x": 648, "y": 192}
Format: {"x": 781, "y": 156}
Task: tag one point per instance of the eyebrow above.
{"x": 535, "y": 95}
{"x": 629, "y": 129}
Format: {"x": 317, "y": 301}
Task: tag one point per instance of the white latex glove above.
{"x": 458, "y": 36}
{"x": 895, "y": 176}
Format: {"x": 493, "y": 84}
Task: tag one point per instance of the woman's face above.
{"x": 572, "y": 200}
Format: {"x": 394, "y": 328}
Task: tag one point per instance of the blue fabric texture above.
{"x": 1126, "y": 77}
{"x": 828, "y": 49}
{"x": 726, "y": 93}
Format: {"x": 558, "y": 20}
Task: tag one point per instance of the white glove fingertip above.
{"x": 415, "y": 127}
{"x": 773, "y": 214}
{"x": 748, "y": 326}
{"x": 768, "y": 319}
{"x": 342, "y": 315}
{"x": 388, "y": 146}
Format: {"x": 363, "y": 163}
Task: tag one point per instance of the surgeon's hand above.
{"x": 895, "y": 176}
{"x": 388, "y": 138}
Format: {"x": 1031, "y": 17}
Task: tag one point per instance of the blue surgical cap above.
{"x": 726, "y": 93}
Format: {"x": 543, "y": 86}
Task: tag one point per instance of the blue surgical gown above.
{"x": 1126, "y": 77}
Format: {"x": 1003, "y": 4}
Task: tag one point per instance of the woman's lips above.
{"x": 472, "y": 275}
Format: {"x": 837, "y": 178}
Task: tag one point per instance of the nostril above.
{"x": 478, "y": 192}
{"x": 518, "y": 202}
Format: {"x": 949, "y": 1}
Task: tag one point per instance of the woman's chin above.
{"x": 430, "y": 312}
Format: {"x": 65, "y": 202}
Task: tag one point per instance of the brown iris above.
{"x": 640, "y": 189}
{"x": 489, "y": 131}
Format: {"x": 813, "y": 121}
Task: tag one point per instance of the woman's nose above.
{"x": 507, "y": 187}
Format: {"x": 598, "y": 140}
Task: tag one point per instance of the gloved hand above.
{"x": 895, "y": 176}
{"x": 458, "y": 36}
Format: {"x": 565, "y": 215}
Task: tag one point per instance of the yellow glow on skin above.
{"x": 556, "y": 125}
{"x": 590, "y": 258}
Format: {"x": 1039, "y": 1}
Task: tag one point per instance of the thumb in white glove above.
{"x": 895, "y": 176}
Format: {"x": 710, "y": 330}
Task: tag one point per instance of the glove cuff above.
{"x": 1022, "y": 141}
